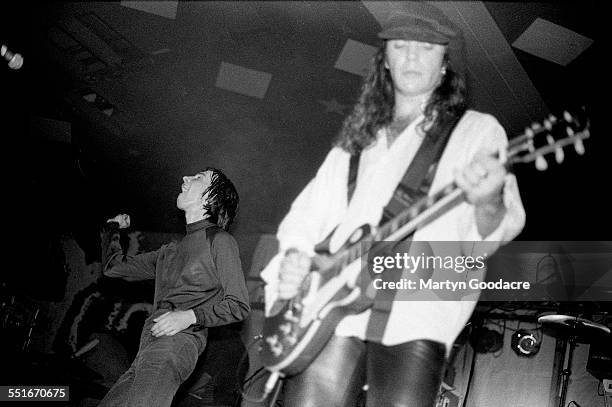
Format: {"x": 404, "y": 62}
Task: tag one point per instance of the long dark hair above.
{"x": 374, "y": 108}
{"x": 222, "y": 203}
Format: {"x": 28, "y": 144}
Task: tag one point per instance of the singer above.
{"x": 199, "y": 284}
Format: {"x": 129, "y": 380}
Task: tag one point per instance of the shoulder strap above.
{"x": 351, "y": 182}
{"x": 420, "y": 172}
{"x": 352, "y": 176}
{"x": 415, "y": 184}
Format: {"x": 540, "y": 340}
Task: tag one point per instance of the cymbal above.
{"x": 574, "y": 325}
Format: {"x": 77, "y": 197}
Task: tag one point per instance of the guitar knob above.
{"x": 291, "y": 340}
{"x": 285, "y": 328}
{"x": 272, "y": 340}
{"x": 277, "y": 350}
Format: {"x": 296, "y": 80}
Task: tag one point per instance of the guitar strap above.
{"x": 414, "y": 185}
{"x": 323, "y": 246}
{"x": 352, "y": 176}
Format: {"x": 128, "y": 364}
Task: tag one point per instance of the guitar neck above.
{"x": 520, "y": 150}
{"x": 406, "y": 222}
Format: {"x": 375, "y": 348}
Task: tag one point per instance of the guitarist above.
{"x": 416, "y": 85}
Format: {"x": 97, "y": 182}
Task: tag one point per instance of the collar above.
{"x": 201, "y": 224}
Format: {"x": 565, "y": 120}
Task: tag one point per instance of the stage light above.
{"x": 524, "y": 343}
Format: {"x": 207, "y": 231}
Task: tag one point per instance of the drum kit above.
{"x": 573, "y": 329}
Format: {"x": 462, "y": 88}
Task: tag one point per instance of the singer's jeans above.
{"x": 406, "y": 375}
{"x": 159, "y": 368}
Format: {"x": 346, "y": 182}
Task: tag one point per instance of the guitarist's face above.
{"x": 415, "y": 66}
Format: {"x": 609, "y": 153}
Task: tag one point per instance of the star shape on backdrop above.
{"x": 332, "y": 106}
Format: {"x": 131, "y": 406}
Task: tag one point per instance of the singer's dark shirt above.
{"x": 202, "y": 272}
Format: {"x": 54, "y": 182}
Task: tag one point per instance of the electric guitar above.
{"x": 299, "y": 328}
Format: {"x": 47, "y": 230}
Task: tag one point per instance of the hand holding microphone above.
{"x": 15, "y": 61}
{"x": 122, "y": 219}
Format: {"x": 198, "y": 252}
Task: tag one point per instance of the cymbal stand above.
{"x": 566, "y": 373}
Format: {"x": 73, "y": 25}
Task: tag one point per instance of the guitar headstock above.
{"x": 551, "y": 135}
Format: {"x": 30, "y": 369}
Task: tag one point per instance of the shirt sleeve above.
{"x": 116, "y": 264}
{"x": 234, "y": 304}
{"x": 304, "y": 225}
{"x": 493, "y": 141}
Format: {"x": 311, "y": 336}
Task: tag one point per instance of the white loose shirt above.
{"x": 322, "y": 206}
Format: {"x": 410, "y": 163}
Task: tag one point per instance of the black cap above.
{"x": 420, "y": 21}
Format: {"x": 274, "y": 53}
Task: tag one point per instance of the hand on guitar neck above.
{"x": 482, "y": 183}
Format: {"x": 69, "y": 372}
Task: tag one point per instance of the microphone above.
{"x": 15, "y": 61}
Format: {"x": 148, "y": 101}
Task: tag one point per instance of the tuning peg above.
{"x": 559, "y": 154}
{"x": 541, "y": 163}
{"x": 548, "y": 124}
{"x": 579, "y": 146}
{"x": 567, "y": 117}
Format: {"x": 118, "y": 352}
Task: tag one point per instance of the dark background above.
{"x": 170, "y": 120}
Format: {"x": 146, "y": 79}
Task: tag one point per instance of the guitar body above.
{"x": 290, "y": 348}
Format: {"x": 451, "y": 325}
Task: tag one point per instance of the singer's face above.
{"x": 193, "y": 189}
